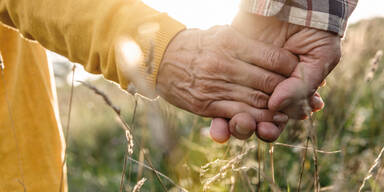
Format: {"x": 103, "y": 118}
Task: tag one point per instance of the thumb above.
{"x": 319, "y": 53}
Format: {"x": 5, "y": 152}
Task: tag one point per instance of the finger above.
{"x": 316, "y": 102}
{"x": 253, "y": 76}
{"x": 228, "y": 109}
{"x": 269, "y": 132}
{"x": 242, "y": 126}
{"x": 219, "y": 130}
{"x": 318, "y": 58}
{"x": 221, "y": 90}
{"x": 298, "y": 87}
{"x": 266, "y": 56}
{"x": 246, "y": 95}
{"x": 302, "y": 109}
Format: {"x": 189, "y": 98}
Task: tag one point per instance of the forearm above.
{"x": 86, "y": 31}
{"x": 324, "y": 15}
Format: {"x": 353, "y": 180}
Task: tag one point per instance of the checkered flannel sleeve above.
{"x": 329, "y": 15}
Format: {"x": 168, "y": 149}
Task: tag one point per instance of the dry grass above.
{"x": 138, "y": 185}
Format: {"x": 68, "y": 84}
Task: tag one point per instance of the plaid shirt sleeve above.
{"x": 329, "y": 15}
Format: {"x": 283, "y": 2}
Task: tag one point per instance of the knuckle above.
{"x": 292, "y": 62}
{"x": 270, "y": 82}
{"x": 258, "y": 99}
{"x": 273, "y": 57}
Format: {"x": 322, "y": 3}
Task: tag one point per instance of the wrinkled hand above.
{"x": 221, "y": 73}
{"x": 319, "y": 53}
{"x": 301, "y": 41}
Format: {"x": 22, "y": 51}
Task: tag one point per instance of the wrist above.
{"x": 267, "y": 29}
{"x": 173, "y": 48}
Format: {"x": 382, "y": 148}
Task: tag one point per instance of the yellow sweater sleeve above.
{"x": 86, "y": 31}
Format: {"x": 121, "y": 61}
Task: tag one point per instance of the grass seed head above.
{"x": 130, "y": 144}
{"x": 139, "y": 184}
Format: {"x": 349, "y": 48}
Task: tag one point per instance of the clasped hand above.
{"x": 251, "y": 77}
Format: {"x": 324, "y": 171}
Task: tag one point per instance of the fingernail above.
{"x": 241, "y": 130}
{"x": 324, "y": 83}
{"x": 280, "y": 118}
{"x": 318, "y": 103}
{"x": 285, "y": 103}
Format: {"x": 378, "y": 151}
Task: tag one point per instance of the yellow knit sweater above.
{"x": 85, "y": 31}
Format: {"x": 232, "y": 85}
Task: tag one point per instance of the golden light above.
{"x": 206, "y": 13}
{"x": 198, "y": 13}
{"x": 128, "y": 55}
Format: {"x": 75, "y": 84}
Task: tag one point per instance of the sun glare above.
{"x": 206, "y": 13}
{"x": 198, "y": 13}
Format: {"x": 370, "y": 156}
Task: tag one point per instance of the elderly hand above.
{"x": 319, "y": 52}
{"x": 221, "y": 73}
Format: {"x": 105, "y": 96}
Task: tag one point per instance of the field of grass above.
{"x": 349, "y": 137}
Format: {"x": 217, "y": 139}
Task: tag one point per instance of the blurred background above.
{"x": 177, "y": 144}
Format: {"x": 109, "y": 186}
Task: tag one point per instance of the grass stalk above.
{"x": 67, "y": 128}
{"x": 125, "y": 126}
{"x": 303, "y": 164}
{"x": 271, "y": 151}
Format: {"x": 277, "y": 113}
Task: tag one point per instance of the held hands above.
{"x": 247, "y": 73}
{"x": 220, "y": 73}
{"x": 318, "y": 52}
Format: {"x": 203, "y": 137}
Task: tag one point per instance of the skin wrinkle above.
{"x": 214, "y": 69}
{"x": 324, "y": 65}
{"x": 194, "y": 100}
{"x": 257, "y": 78}
{"x": 272, "y": 55}
{"x": 309, "y": 43}
{"x": 182, "y": 98}
{"x": 200, "y": 76}
{"x": 173, "y": 82}
{"x": 260, "y": 99}
{"x": 185, "y": 72}
{"x": 269, "y": 83}
{"x": 192, "y": 93}
{"x": 225, "y": 93}
{"x": 192, "y": 74}
{"x": 202, "y": 96}
{"x": 221, "y": 105}
{"x": 200, "y": 67}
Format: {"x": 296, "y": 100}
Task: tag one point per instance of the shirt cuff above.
{"x": 152, "y": 37}
{"x": 153, "y": 51}
{"x": 328, "y": 16}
